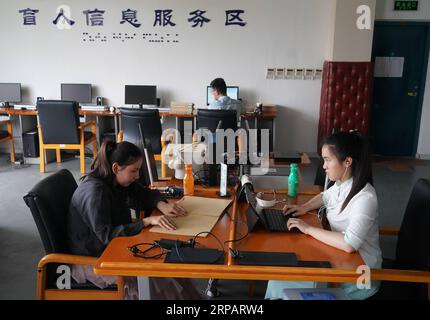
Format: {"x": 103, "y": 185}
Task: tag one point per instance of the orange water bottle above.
{"x": 188, "y": 180}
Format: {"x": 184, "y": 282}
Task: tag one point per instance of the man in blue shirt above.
{"x": 221, "y": 100}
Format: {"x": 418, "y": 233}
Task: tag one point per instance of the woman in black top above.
{"x": 100, "y": 209}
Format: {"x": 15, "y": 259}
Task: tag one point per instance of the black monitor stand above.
{"x": 140, "y": 105}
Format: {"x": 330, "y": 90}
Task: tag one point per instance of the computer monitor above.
{"x": 10, "y": 92}
{"x": 79, "y": 92}
{"x": 141, "y": 95}
{"x": 232, "y": 92}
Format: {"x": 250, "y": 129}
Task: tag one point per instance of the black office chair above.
{"x": 413, "y": 246}
{"x": 216, "y": 119}
{"x": 59, "y": 129}
{"x": 49, "y": 202}
{"x": 149, "y": 121}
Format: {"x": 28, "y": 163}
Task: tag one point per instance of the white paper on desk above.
{"x": 202, "y": 215}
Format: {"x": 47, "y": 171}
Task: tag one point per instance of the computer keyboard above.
{"x": 24, "y": 107}
{"x": 276, "y": 220}
{"x": 94, "y": 107}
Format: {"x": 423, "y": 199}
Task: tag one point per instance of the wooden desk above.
{"x": 272, "y": 114}
{"x": 90, "y": 113}
{"x": 116, "y": 114}
{"x": 12, "y": 111}
{"x": 245, "y": 116}
{"x": 17, "y": 112}
{"x": 117, "y": 260}
{"x": 305, "y": 247}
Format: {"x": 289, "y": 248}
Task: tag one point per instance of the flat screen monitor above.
{"x": 79, "y": 92}
{"x": 10, "y": 92}
{"x": 141, "y": 95}
{"x": 232, "y": 92}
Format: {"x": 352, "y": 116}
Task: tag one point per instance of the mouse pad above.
{"x": 314, "y": 264}
{"x": 195, "y": 255}
{"x": 277, "y": 259}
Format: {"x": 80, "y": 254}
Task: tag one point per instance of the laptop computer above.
{"x": 148, "y": 171}
{"x": 270, "y": 219}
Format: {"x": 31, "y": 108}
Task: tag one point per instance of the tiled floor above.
{"x": 21, "y": 248}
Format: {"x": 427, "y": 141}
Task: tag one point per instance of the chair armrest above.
{"x": 389, "y": 231}
{"x": 87, "y": 124}
{"x": 8, "y": 123}
{"x": 67, "y": 259}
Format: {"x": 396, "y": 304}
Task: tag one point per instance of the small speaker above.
{"x": 158, "y": 102}
{"x": 99, "y": 101}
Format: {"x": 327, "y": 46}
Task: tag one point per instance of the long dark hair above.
{"x": 124, "y": 153}
{"x": 356, "y": 146}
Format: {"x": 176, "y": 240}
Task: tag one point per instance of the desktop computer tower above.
{"x": 30, "y": 140}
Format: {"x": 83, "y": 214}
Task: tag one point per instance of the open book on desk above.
{"x": 202, "y": 215}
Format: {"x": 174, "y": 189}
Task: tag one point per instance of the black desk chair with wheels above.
{"x": 49, "y": 202}
{"x": 216, "y": 119}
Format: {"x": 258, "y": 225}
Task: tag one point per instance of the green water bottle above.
{"x": 293, "y": 181}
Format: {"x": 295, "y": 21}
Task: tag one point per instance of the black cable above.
{"x": 193, "y": 242}
{"x": 237, "y": 240}
{"x": 136, "y": 252}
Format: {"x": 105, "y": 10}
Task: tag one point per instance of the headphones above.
{"x": 347, "y": 163}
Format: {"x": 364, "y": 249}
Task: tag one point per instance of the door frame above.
{"x": 424, "y": 75}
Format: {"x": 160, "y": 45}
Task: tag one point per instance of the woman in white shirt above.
{"x": 352, "y": 210}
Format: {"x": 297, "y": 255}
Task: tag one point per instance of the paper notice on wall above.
{"x": 389, "y": 67}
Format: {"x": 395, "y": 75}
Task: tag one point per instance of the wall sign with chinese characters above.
{"x": 94, "y": 18}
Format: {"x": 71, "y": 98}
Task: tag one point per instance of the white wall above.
{"x": 278, "y": 33}
{"x": 384, "y": 11}
{"x": 288, "y": 33}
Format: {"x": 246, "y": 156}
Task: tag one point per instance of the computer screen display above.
{"x": 232, "y": 92}
{"x": 79, "y": 92}
{"x": 10, "y": 92}
{"x": 141, "y": 95}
